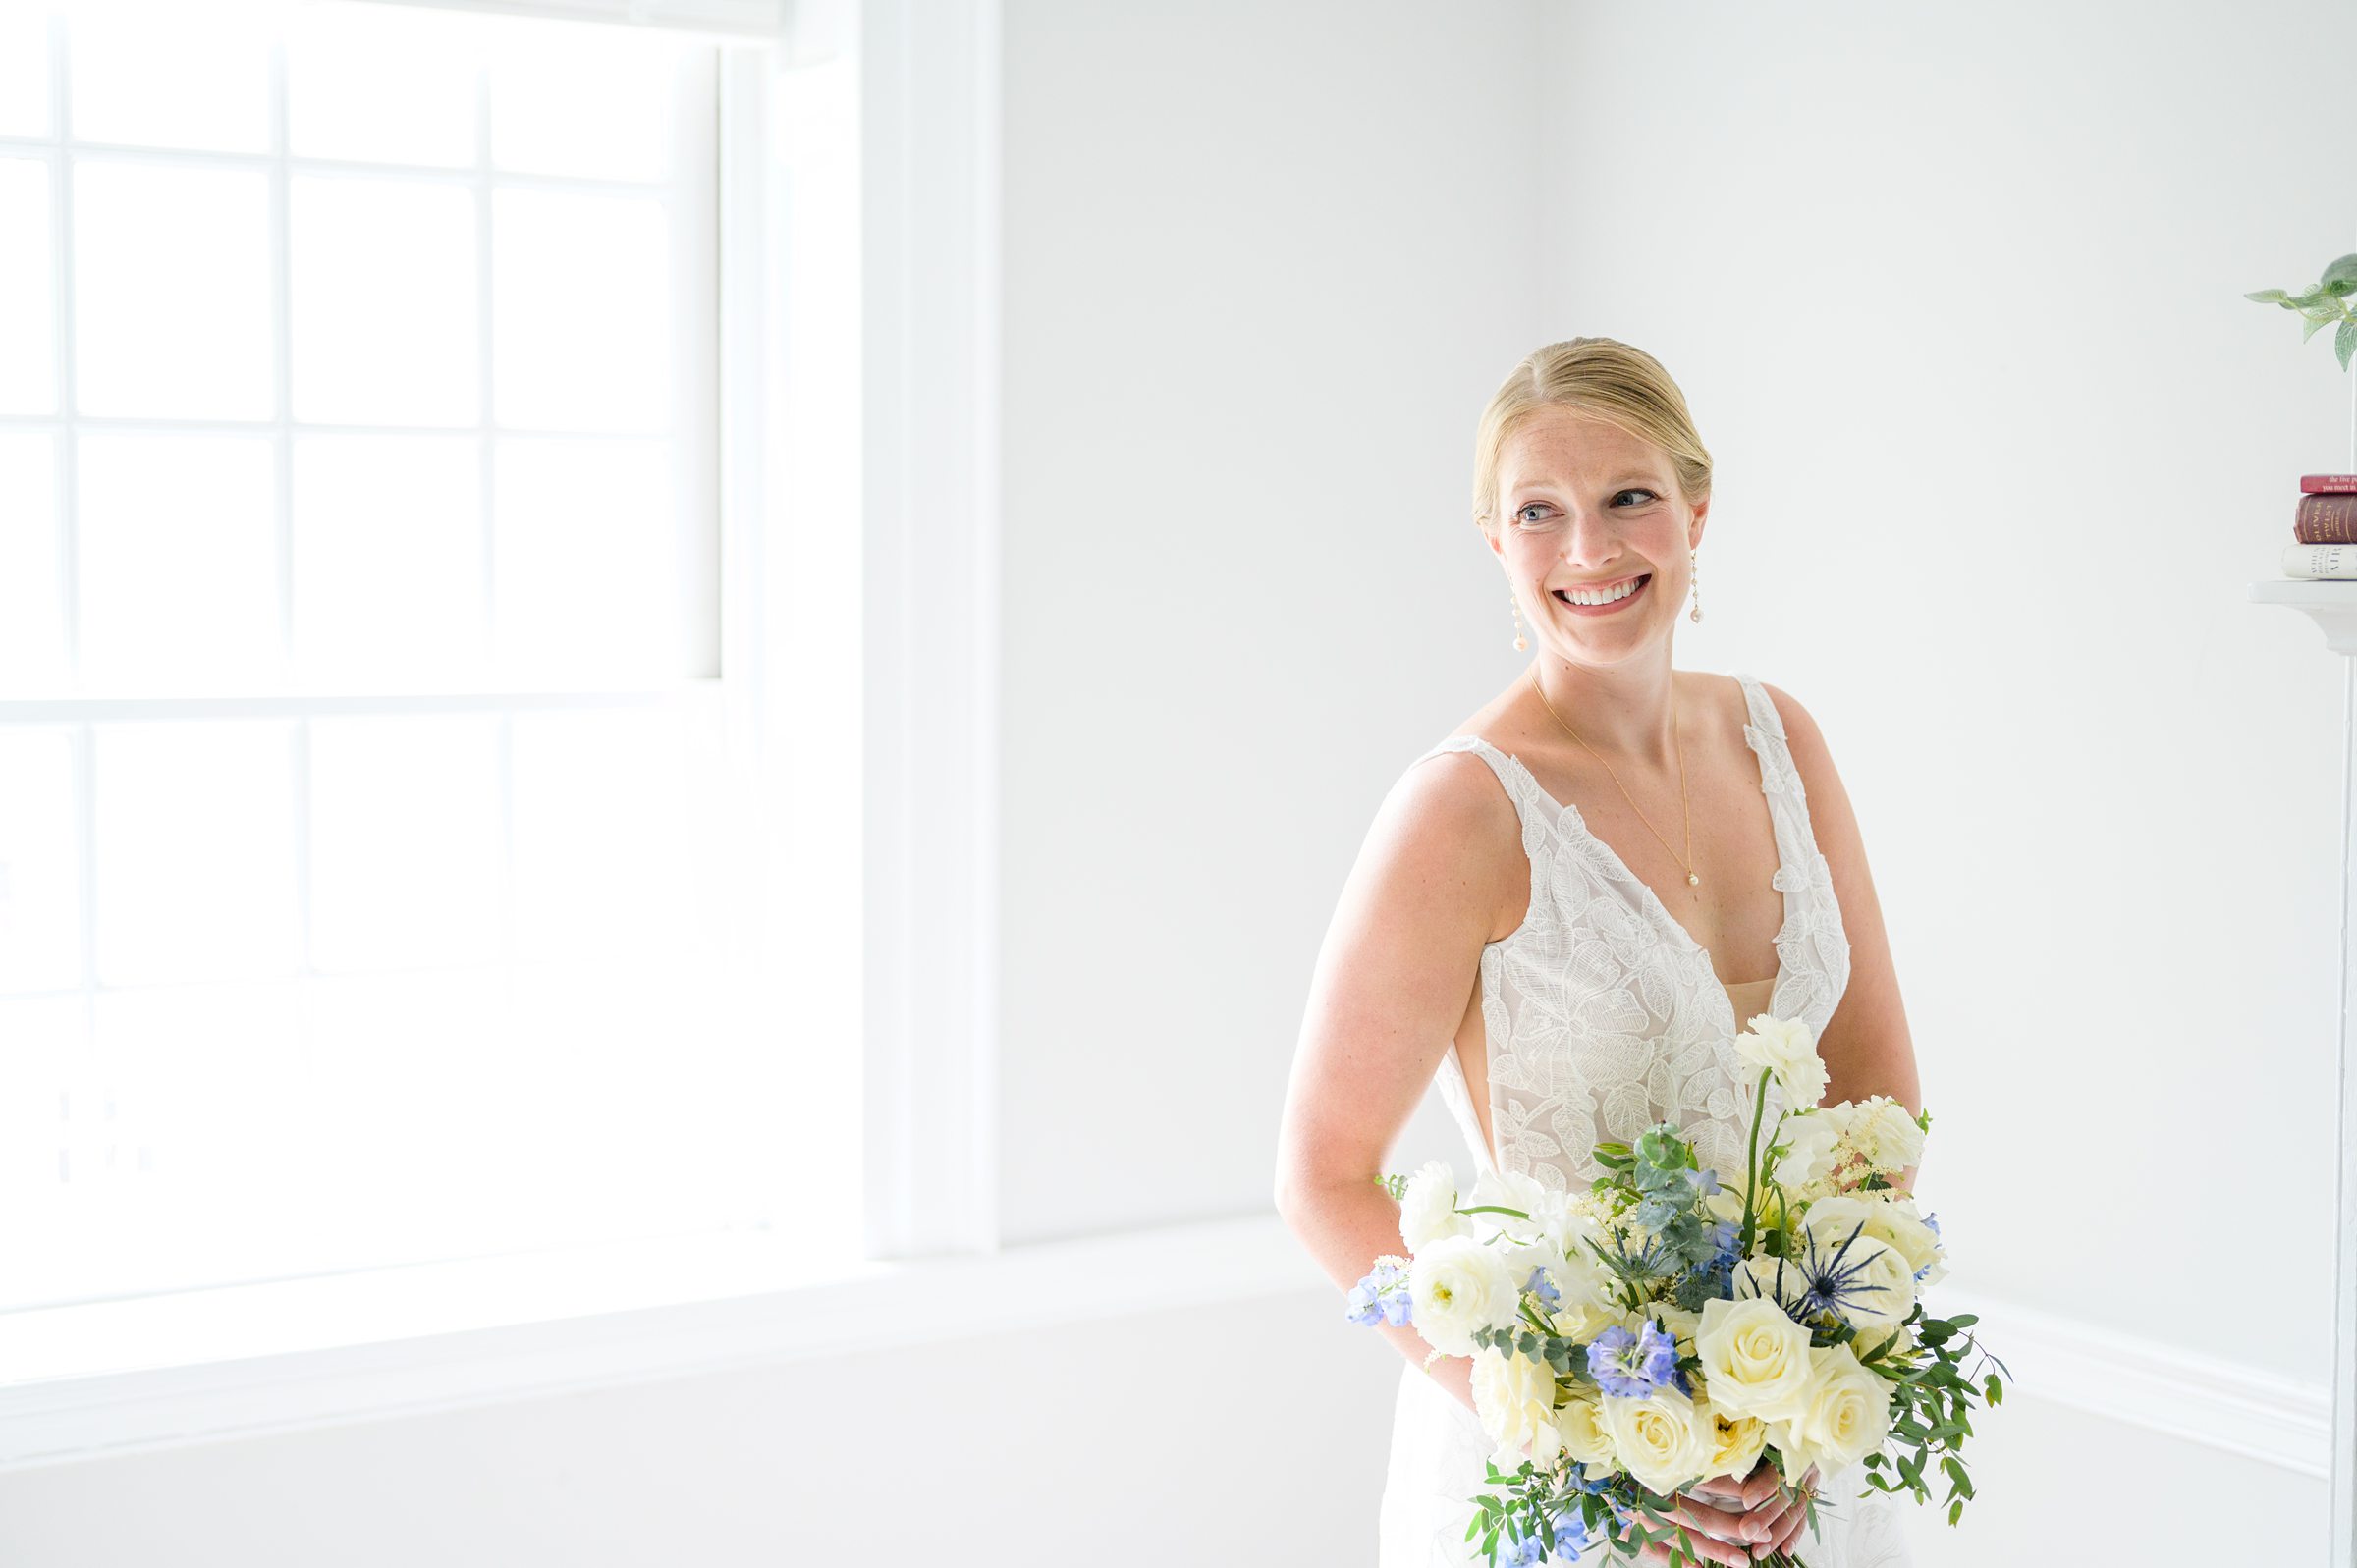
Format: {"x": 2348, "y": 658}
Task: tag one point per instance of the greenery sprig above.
{"x": 2324, "y": 305}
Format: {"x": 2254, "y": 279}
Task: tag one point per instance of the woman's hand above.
{"x": 1732, "y": 1521}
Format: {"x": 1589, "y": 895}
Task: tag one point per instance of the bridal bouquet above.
{"x": 1669, "y": 1326}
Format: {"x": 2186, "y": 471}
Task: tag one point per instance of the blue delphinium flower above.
{"x": 1635, "y": 1365}
{"x": 1570, "y": 1537}
{"x": 1382, "y": 1296}
{"x": 1544, "y": 1288}
{"x": 1706, "y": 1181}
{"x": 1931, "y": 1220}
{"x": 1527, "y": 1553}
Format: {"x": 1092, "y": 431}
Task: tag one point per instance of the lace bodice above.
{"x": 1602, "y": 1015}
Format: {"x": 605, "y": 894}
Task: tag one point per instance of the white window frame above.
{"x": 896, "y": 489}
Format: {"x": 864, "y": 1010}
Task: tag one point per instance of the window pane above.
{"x": 603, "y": 845}
{"x": 23, "y": 70}
{"x": 402, "y": 1064}
{"x": 406, "y": 843}
{"x": 191, "y": 338}
{"x": 589, "y": 102}
{"x": 33, "y": 640}
{"x": 382, "y": 84}
{"x": 168, "y": 73}
{"x": 54, "y": 1125}
{"x": 178, "y": 563}
{"x": 587, "y": 539}
{"x": 205, "y": 1085}
{"x": 581, "y": 312}
{"x": 27, "y": 309}
{"x": 388, "y": 560}
{"x": 384, "y": 301}
{"x": 40, "y": 889}
{"x": 194, "y": 828}
{"x": 648, "y": 1115}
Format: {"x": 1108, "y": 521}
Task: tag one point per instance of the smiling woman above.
{"x": 1566, "y": 918}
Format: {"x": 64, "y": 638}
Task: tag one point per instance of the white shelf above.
{"x": 2332, "y": 602}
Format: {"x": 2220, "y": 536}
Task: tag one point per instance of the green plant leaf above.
{"x": 2342, "y": 270}
{"x": 2269, "y": 296}
{"x": 2345, "y": 343}
{"x": 2315, "y": 325}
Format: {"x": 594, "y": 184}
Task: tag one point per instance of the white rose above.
{"x": 1787, "y": 1048}
{"x": 1737, "y": 1444}
{"x": 1918, "y": 1240}
{"x": 1579, "y": 1426}
{"x": 1457, "y": 1285}
{"x": 1428, "y": 1211}
{"x": 1677, "y": 1322}
{"x": 1843, "y": 1417}
{"x": 1755, "y": 1359}
{"x": 1514, "y": 1396}
{"x": 1663, "y": 1440}
{"x": 1583, "y": 1319}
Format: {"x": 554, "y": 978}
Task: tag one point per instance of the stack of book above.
{"x": 2325, "y": 526}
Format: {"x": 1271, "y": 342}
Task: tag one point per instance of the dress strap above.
{"x": 1766, "y": 733}
{"x": 1510, "y": 772}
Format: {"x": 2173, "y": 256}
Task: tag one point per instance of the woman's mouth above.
{"x": 1627, "y": 596}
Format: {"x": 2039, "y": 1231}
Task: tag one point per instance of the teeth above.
{"x": 1580, "y": 596}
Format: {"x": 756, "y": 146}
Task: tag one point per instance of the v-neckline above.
{"x": 1566, "y": 811}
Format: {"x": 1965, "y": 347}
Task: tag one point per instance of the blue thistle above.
{"x": 1822, "y": 1280}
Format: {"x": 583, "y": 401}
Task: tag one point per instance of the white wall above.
{"x": 1264, "y": 263}
{"x": 1955, "y": 296}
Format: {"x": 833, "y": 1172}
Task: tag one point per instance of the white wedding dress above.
{"x": 1603, "y": 1016}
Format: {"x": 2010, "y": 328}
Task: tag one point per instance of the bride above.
{"x": 1571, "y": 904}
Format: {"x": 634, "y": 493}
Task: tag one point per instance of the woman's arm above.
{"x": 1441, "y": 872}
{"x": 1866, "y": 1046}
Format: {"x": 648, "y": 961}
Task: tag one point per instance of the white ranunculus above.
{"x": 1787, "y": 1048}
{"x": 1428, "y": 1211}
{"x": 1886, "y": 1134}
{"x": 1514, "y": 1396}
{"x": 1755, "y": 1359}
{"x": 1509, "y": 1189}
{"x": 1811, "y": 1140}
{"x": 1663, "y": 1440}
{"x": 1457, "y": 1285}
{"x": 1843, "y": 1415}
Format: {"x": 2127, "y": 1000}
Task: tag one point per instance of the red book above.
{"x": 2327, "y": 484}
{"x": 2325, "y": 520}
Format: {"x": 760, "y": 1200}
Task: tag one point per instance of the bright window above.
{"x": 372, "y": 884}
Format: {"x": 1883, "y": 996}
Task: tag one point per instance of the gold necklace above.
{"x": 1692, "y": 881}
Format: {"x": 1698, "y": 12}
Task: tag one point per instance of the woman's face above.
{"x": 1582, "y": 503}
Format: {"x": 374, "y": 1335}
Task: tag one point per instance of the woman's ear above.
{"x": 1694, "y": 528}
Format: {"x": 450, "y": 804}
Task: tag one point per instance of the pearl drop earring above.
{"x": 1694, "y": 563}
{"x": 1520, "y": 643}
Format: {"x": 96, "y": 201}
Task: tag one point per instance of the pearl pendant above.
{"x": 1692, "y": 881}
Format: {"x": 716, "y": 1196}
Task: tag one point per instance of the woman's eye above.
{"x": 1523, "y": 515}
{"x": 1647, "y": 494}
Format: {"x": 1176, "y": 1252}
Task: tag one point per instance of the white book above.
{"x": 2319, "y": 561}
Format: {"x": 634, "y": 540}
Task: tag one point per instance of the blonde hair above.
{"x": 1602, "y": 377}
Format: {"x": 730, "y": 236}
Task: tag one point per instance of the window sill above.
{"x": 203, "y": 1366}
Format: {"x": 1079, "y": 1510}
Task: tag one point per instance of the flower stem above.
{"x": 1751, "y": 1164}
